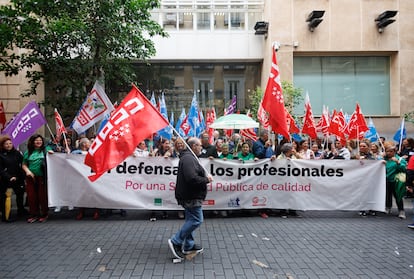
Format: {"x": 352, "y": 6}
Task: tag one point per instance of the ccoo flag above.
{"x": 128, "y": 125}
{"x": 25, "y": 123}
{"x": 273, "y": 101}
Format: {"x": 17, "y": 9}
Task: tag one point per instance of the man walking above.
{"x": 190, "y": 192}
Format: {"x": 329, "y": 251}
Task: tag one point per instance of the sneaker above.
{"x": 43, "y": 219}
{"x": 96, "y": 215}
{"x": 79, "y": 216}
{"x": 401, "y": 215}
{"x": 411, "y": 226}
{"x": 196, "y": 249}
{"x": 32, "y": 220}
{"x": 223, "y": 213}
{"x": 363, "y": 213}
{"x": 293, "y": 213}
{"x": 58, "y": 209}
{"x": 388, "y": 211}
{"x": 264, "y": 215}
{"x": 175, "y": 249}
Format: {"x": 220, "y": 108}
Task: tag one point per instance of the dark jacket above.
{"x": 11, "y": 166}
{"x": 191, "y": 179}
{"x": 208, "y": 151}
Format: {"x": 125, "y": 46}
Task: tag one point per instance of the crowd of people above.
{"x": 26, "y": 172}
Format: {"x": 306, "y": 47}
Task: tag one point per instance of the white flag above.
{"x": 93, "y": 109}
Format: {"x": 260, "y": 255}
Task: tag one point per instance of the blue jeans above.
{"x": 193, "y": 219}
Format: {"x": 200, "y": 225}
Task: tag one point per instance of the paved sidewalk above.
{"x": 318, "y": 245}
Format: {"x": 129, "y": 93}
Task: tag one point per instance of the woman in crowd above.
{"x": 407, "y": 149}
{"x": 164, "y": 148}
{"x": 11, "y": 176}
{"x": 225, "y": 152}
{"x": 304, "y": 150}
{"x": 316, "y": 151}
{"x": 245, "y": 154}
{"x": 141, "y": 150}
{"x": 376, "y": 151}
{"x": 394, "y": 165}
{"x": 178, "y": 147}
{"x": 65, "y": 145}
{"x": 34, "y": 165}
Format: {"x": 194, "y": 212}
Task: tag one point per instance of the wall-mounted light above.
{"x": 385, "y": 19}
{"x": 314, "y": 19}
{"x": 261, "y": 28}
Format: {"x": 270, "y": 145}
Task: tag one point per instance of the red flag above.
{"x": 273, "y": 101}
{"x": 210, "y": 118}
{"x": 293, "y": 129}
{"x": 323, "y": 123}
{"x": 262, "y": 116}
{"x": 308, "y": 123}
{"x": 337, "y": 124}
{"x": 185, "y": 126}
{"x": 249, "y": 134}
{"x": 128, "y": 125}
{"x": 60, "y": 127}
{"x": 357, "y": 126}
{"x": 2, "y": 117}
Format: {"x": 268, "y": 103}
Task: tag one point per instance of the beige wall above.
{"x": 348, "y": 28}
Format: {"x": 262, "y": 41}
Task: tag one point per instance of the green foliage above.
{"x": 76, "y": 42}
{"x": 292, "y": 97}
{"x": 409, "y": 116}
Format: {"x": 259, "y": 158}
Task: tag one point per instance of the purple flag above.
{"x": 25, "y": 123}
{"x": 232, "y": 107}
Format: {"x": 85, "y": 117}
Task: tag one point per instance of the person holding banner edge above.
{"x": 34, "y": 165}
{"x": 190, "y": 192}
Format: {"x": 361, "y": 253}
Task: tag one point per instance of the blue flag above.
{"x": 172, "y": 119}
{"x": 179, "y": 121}
{"x": 202, "y": 126}
{"x": 371, "y": 134}
{"x": 401, "y": 133}
{"x": 167, "y": 131}
{"x": 193, "y": 119}
{"x": 153, "y": 101}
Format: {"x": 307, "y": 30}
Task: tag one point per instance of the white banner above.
{"x": 149, "y": 183}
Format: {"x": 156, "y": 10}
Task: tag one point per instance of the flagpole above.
{"x": 53, "y": 136}
{"x": 401, "y": 134}
{"x": 189, "y": 148}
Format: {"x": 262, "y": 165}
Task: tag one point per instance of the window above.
{"x": 237, "y": 21}
{"x": 341, "y": 82}
{"x": 170, "y": 21}
{"x": 203, "y": 21}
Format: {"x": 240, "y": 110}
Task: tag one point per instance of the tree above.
{"x": 75, "y": 42}
{"x": 409, "y": 116}
{"x": 292, "y": 97}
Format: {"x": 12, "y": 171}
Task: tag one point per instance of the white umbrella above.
{"x": 234, "y": 121}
